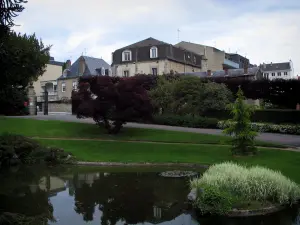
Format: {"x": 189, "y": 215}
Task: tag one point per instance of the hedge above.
{"x": 276, "y": 116}
{"x": 185, "y": 121}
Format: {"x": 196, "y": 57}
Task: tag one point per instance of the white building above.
{"x": 278, "y": 71}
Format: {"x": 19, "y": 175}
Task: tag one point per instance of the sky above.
{"x": 262, "y": 30}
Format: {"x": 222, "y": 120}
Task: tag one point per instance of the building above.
{"x": 253, "y": 73}
{"x": 83, "y": 66}
{"x": 48, "y": 81}
{"x": 151, "y": 56}
{"x": 278, "y": 70}
{"x": 216, "y": 59}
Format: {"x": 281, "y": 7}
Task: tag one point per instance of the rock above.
{"x": 192, "y": 196}
{"x": 178, "y": 173}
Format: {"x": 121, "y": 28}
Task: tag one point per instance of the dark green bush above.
{"x": 15, "y": 149}
{"x": 185, "y": 121}
{"x": 211, "y": 200}
{"x": 277, "y": 116}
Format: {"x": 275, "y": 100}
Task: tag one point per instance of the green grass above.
{"x": 40, "y": 128}
{"x": 285, "y": 161}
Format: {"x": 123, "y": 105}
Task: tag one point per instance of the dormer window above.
{"x": 153, "y": 52}
{"x": 126, "y": 55}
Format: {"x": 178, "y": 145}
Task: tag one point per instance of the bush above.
{"x": 252, "y": 184}
{"x": 15, "y": 149}
{"x": 277, "y": 116}
{"x": 213, "y": 201}
{"x": 185, "y": 121}
{"x": 268, "y": 128}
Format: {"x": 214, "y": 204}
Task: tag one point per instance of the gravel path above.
{"x": 285, "y": 139}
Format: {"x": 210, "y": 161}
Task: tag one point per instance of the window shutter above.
{"x": 123, "y": 56}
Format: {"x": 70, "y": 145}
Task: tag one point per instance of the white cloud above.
{"x": 265, "y": 30}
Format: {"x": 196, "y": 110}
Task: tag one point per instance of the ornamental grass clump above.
{"x": 244, "y": 184}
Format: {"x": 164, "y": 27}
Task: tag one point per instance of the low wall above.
{"x": 59, "y": 107}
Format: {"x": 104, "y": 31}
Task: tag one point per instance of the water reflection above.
{"x": 62, "y": 196}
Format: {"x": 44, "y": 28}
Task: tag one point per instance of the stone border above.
{"x": 81, "y": 163}
{"x": 256, "y": 212}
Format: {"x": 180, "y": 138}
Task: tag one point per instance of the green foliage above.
{"x": 240, "y": 127}
{"x": 248, "y": 184}
{"x": 185, "y": 121}
{"x": 16, "y": 149}
{"x": 212, "y": 200}
{"x": 265, "y": 127}
{"x": 276, "y": 116}
{"x": 188, "y": 95}
{"x": 23, "y": 60}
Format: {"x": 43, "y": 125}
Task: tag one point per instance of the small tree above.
{"x": 240, "y": 127}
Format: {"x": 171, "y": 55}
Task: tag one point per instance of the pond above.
{"x": 106, "y": 196}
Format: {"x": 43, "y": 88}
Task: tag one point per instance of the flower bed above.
{"x": 264, "y": 127}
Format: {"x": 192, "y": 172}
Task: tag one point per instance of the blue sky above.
{"x": 263, "y": 30}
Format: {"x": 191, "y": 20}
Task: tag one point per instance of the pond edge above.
{"x": 83, "y": 163}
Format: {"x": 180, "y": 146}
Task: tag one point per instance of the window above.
{"x": 63, "y": 87}
{"x": 54, "y": 87}
{"x": 74, "y": 85}
{"x": 285, "y": 73}
{"x": 153, "y": 52}
{"x": 195, "y": 61}
{"x": 154, "y": 71}
{"x": 279, "y": 74}
{"x": 273, "y": 74}
{"x": 126, "y": 73}
{"x": 126, "y": 55}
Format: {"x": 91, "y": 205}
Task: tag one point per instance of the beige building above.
{"x": 48, "y": 81}
{"x": 216, "y": 59}
{"x": 151, "y": 56}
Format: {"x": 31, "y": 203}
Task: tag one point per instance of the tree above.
{"x": 113, "y": 101}
{"x": 240, "y": 127}
{"x": 189, "y": 95}
{"x": 23, "y": 60}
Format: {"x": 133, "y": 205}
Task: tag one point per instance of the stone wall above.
{"x": 59, "y": 107}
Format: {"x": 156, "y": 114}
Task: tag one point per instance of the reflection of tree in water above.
{"x": 20, "y": 203}
{"x": 131, "y": 197}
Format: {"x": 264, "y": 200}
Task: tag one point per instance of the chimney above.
{"x": 209, "y": 73}
{"x": 264, "y": 66}
{"x": 68, "y": 64}
{"x": 271, "y": 63}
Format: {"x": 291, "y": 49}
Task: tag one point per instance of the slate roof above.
{"x": 56, "y": 63}
{"x": 276, "y": 66}
{"x": 231, "y": 73}
{"x": 92, "y": 66}
{"x": 146, "y": 42}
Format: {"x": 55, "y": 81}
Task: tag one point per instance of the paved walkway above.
{"x": 285, "y": 139}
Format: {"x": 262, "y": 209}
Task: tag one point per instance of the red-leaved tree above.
{"x": 113, "y": 101}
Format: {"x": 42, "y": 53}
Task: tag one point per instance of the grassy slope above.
{"x": 40, "y": 128}
{"x": 285, "y": 161}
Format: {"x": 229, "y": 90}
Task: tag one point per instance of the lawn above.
{"x": 285, "y": 161}
{"x": 40, "y": 128}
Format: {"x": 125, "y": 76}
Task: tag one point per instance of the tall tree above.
{"x": 10, "y": 9}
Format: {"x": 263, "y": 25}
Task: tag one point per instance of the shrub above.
{"x": 264, "y": 127}
{"x": 240, "y": 128}
{"x": 252, "y": 184}
{"x": 213, "y": 201}
{"x": 15, "y": 149}
{"x": 185, "y": 121}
